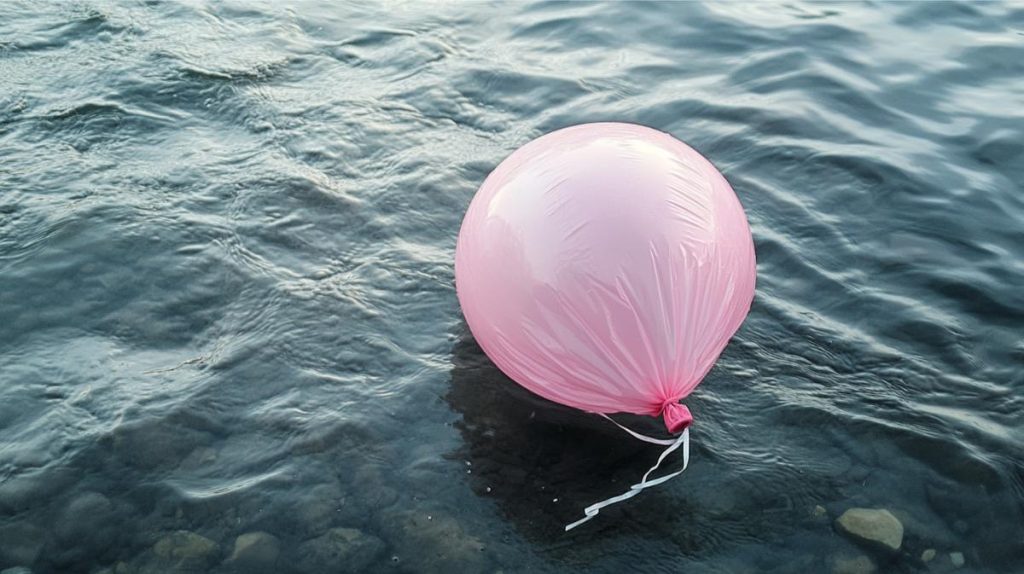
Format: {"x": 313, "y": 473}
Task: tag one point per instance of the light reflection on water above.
{"x": 226, "y": 240}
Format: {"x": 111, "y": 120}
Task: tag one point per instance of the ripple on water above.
{"x": 226, "y": 298}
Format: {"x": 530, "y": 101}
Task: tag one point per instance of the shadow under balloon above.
{"x": 542, "y": 462}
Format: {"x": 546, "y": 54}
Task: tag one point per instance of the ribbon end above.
{"x": 682, "y": 440}
{"x": 569, "y": 527}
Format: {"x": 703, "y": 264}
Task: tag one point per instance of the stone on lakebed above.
{"x": 853, "y": 565}
{"x": 184, "y": 550}
{"x": 872, "y": 525}
{"x": 345, "y": 550}
{"x": 255, "y": 552}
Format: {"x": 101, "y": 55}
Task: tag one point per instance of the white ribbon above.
{"x": 643, "y": 437}
{"x": 682, "y": 440}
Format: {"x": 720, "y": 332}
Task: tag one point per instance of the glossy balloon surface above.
{"x": 606, "y": 266}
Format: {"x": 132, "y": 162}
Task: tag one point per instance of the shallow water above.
{"x": 227, "y": 304}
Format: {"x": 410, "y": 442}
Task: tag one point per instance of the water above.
{"x": 227, "y": 304}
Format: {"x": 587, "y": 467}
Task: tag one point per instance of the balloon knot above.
{"x": 677, "y": 416}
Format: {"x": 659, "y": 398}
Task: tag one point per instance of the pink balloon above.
{"x": 605, "y": 267}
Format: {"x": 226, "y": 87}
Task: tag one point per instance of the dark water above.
{"x": 227, "y": 304}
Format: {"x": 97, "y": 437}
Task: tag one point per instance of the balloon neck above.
{"x": 677, "y": 416}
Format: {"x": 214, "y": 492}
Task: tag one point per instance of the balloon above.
{"x": 606, "y": 266}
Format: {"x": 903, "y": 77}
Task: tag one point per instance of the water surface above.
{"x": 227, "y": 303}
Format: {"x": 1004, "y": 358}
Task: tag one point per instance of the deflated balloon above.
{"x": 605, "y": 267}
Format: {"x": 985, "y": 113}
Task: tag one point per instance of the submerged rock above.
{"x": 123, "y": 568}
{"x": 20, "y": 543}
{"x": 928, "y": 555}
{"x": 87, "y": 527}
{"x": 433, "y": 542}
{"x": 202, "y": 456}
{"x": 119, "y": 568}
{"x": 874, "y": 526}
{"x": 183, "y": 551}
{"x": 957, "y": 558}
{"x": 254, "y": 552}
{"x": 372, "y": 489}
{"x": 16, "y": 570}
{"x": 27, "y": 491}
{"x": 319, "y": 509}
{"x": 340, "y": 550}
{"x": 853, "y": 565}
{"x": 87, "y": 512}
{"x": 152, "y": 445}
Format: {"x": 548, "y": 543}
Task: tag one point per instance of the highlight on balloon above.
{"x": 605, "y": 267}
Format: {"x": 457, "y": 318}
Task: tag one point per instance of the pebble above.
{"x": 25, "y": 492}
{"x": 201, "y": 457}
{"x": 374, "y": 493}
{"x": 184, "y": 550}
{"x": 345, "y": 550}
{"x": 255, "y": 552}
{"x": 872, "y": 525}
{"x": 439, "y": 545}
{"x": 20, "y": 543}
{"x": 119, "y": 568}
{"x": 853, "y": 565}
{"x": 957, "y": 558}
{"x": 88, "y": 514}
{"x": 928, "y": 555}
{"x": 160, "y": 444}
{"x": 319, "y": 510}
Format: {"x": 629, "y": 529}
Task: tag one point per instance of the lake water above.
{"x": 227, "y": 304}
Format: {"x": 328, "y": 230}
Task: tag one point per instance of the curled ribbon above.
{"x": 683, "y": 440}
